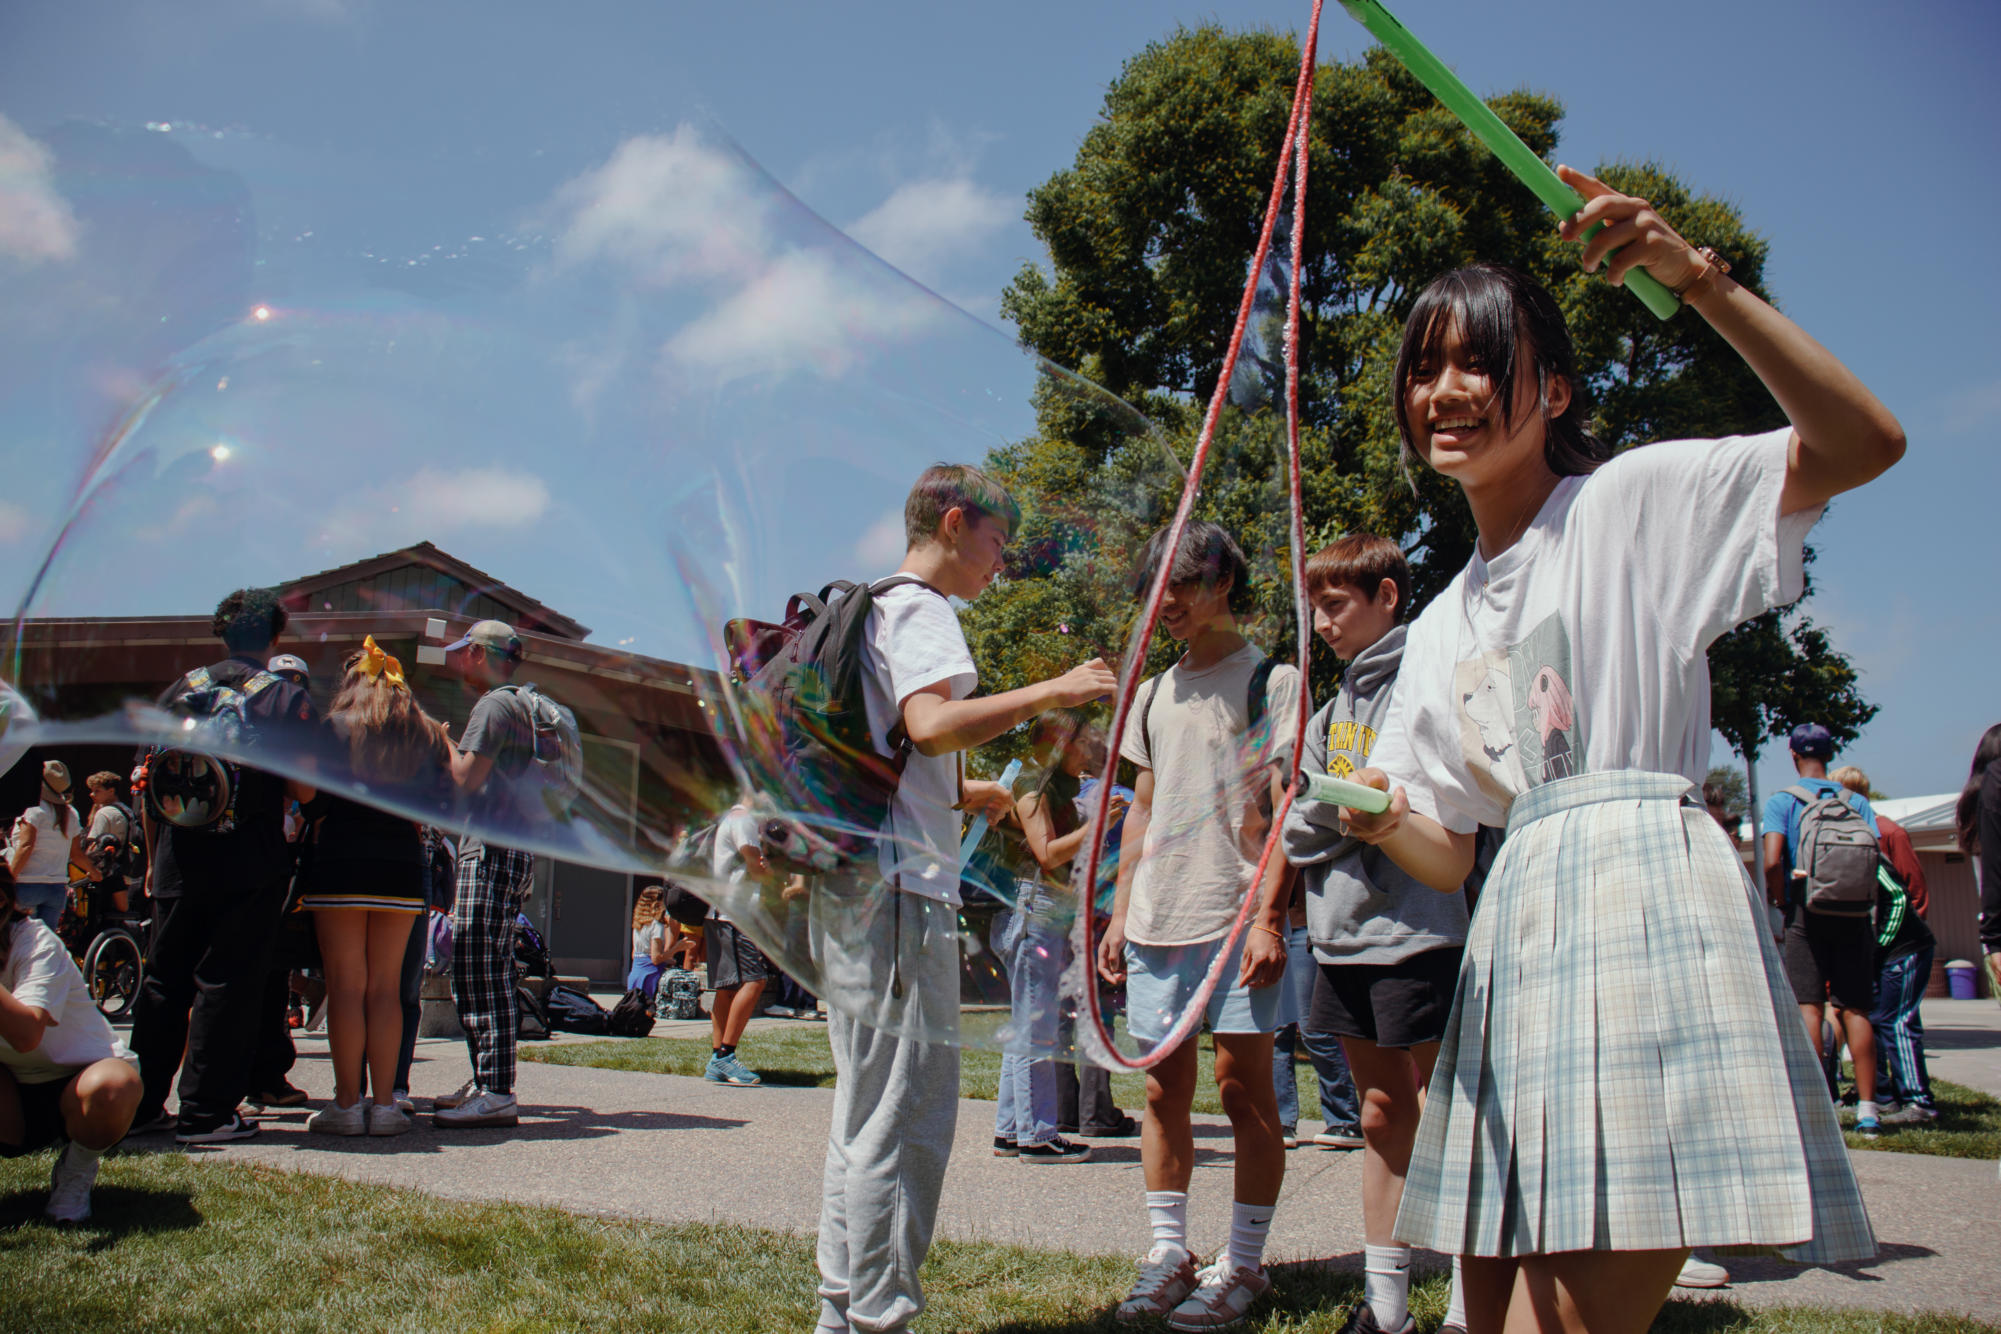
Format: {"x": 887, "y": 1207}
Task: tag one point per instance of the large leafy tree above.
{"x": 1148, "y": 233}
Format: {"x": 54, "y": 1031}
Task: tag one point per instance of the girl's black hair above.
{"x": 1207, "y": 555}
{"x": 1494, "y": 307}
{"x": 1967, "y": 814}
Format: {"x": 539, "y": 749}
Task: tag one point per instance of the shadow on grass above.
{"x": 1301, "y": 1289}
{"x": 117, "y": 1212}
{"x": 539, "y": 1121}
{"x": 1746, "y": 1269}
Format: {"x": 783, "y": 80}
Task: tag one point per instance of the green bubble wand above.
{"x": 1492, "y": 131}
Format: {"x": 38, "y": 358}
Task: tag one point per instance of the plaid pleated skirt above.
{"x": 1625, "y": 1067}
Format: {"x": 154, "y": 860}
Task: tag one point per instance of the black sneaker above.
{"x": 1125, "y": 1128}
{"x": 1362, "y": 1320}
{"x": 1005, "y": 1147}
{"x": 1058, "y": 1150}
{"x": 153, "y": 1125}
{"x": 222, "y": 1132}
{"x": 285, "y": 1095}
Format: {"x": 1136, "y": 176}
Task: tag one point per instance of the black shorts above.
{"x": 41, "y": 1116}
{"x": 1830, "y": 958}
{"x": 1399, "y": 1004}
{"x": 734, "y": 958}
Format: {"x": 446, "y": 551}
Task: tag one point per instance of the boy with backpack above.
{"x": 894, "y": 956}
{"x": 1821, "y": 855}
{"x": 1203, "y": 735}
{"x": 117, "y": 844}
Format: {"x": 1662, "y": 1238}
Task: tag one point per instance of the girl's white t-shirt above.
{"x": 40, "y": 974}
{"x": 49, "y": 862}
{"x": 642, "y": 938}
{"x": 1582, "y": 648}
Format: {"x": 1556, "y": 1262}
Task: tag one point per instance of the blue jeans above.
{"x": 1338, "y": 1106}
{"x": 1037, "y": 951}
{"x": 43, "y": 899}
{"x": 1900, "y": 1029}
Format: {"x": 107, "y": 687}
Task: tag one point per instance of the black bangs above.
{"x": 1207, "y": 555}
{"x": 1495, "y": 309}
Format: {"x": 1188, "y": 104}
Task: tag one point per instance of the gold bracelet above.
{"x": 1712, "y": 264}
{"x": 1260, "y": 926}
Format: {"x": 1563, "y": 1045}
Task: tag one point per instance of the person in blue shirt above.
{"x": 1827, "y": 959}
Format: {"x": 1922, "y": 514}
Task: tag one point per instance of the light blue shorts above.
{"x": 1162, "y": 979}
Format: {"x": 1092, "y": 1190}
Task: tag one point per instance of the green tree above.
{"x": 1148, "y": 232}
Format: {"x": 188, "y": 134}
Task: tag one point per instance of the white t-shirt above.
{"x": 1582, "y": 647}
{"x": 736, "y": 831}
{"x": 642, "y": 940}
{"x": 1199, "y": 858}
{"x": 913, "y": 641}
{"x": 49, "y": 862}
{"x": 109, "y": 821}
{"x": 41, "y": 974}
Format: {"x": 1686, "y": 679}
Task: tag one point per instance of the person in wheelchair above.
{"x": 64, "y": 1074}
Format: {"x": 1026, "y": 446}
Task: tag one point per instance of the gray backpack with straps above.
{"x": 1838, "y": 854}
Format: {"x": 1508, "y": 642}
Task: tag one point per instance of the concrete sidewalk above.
{"x": 754, "y": 1156}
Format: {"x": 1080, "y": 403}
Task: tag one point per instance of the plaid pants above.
{"x": 492, "y": 886}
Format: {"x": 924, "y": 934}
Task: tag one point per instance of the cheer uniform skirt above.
{"x": 1625, "y": 1067}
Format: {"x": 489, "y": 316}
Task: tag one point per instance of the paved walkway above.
{"x": 574, "y": 1149}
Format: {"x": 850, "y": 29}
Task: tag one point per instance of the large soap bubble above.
{"x": 630, "y": 402}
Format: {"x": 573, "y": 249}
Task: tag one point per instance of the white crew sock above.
{"x": 1386, "y": 1285}
{"x": 1168, "y": 1211}
{"x": 77, "y": 1155}
{"x": 1455, "y": 1312}
{"x": 1248, "y": 1225}
{"x": 1863, "y": 1109}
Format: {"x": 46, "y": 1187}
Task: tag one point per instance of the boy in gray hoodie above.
{"x": 1388, "y": 947}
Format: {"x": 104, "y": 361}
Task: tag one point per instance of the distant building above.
{"x": 646, "y": 729}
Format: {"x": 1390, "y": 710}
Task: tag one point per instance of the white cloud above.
{"x": 883, "y": 545}
{"x": 806, "y": 309}
{"x": 1973, "y": 408}
{"x": 435, "y": 503}
{"x": 669, "y": 207}
{"x": 36, "y": 223}
{"x": 925, "y": 224}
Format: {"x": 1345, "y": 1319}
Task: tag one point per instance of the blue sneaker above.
{"x": 1868, "y": 1127}
{"x": 729, "y": 1070}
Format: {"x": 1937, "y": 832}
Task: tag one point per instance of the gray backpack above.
{"x": 1838, "y": 854}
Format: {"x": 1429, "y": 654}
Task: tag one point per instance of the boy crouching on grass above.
{"x": 896, "y": 1095}
{"x": 1203, "y": 756}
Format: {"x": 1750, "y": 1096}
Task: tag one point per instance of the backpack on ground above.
{"x": 1838, "y": 854}
{"x": 632, "y": 1017}
{"x": 679, "y": 995}
{"x": 807, "y": 728}
{"x": 186, "y": 785}
{"x": 531, "y": 952}
{"x": 573, "y": 1012}
{"x": 531, "y": 1022}
{"x": 556, "y": 768}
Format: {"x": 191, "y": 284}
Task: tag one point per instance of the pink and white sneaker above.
{"x": 1223, "y": 1296}
{"x": 1166, "y": 1277}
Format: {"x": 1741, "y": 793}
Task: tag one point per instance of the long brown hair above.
{"x": 389, "y": 737}
{"x": 1967, "y": 813}
{"x": 650, "y": 907}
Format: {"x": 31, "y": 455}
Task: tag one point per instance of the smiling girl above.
{"x": 1622, "y": 1077}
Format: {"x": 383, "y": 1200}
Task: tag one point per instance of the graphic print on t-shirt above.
{"x": 1348, "y": 746}
{"x": 1517, "y": 720}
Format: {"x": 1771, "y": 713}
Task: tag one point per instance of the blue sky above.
{"x": 1859, "y": 138}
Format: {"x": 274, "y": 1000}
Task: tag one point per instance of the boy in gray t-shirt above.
{"x": 1192, "y": 840}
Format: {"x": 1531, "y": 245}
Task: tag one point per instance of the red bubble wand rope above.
{"x": 1293, "y": 158}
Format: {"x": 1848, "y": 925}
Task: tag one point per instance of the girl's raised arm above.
{"x": 1843, "y": 436}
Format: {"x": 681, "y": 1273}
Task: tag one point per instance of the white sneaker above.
{"x": 388, "y": 1120}
{"x": 1337, "y": 1139}
{"x": 69, "y": 1189}
{"x": 1166, "y": 1277}
{"x": 1223, "y": 1296}
{"x": 404, "y": 1104}
{"x": 482, "y": 1109}
{"x": 334, "y": 1119}
{"x": 1702, "y": 1274}
{"x": 466, "y": 1091}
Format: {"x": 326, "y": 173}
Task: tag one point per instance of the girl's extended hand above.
{"x": 1640, "y": 235}
{"x": 1264, "y": 957}
{"x": 1373, "y": 829}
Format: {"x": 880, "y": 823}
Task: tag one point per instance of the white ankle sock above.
{"x": 1455, "y": 1313}
{"x": 1386, "y": 1284}
{"x": 1168, "y": 1211}
{"x": 76, "y": 1155}
{"x": 1863, "y": 1109}
{"x": 1249, "y": 1223}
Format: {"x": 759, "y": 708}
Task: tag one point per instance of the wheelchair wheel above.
{"x": 112, "y": 967}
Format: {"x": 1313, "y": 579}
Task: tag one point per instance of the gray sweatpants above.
{"x": 893, "y": 958}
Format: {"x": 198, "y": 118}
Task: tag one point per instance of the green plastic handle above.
{"x": 1492, "y": 131}
{"x": 1341, "y": 792}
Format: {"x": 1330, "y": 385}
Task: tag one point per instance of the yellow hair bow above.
{"x": 374, "y": 662}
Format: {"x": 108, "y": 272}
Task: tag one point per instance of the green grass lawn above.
{"x": 180, "y": 1243}
{"x": 1969, "y": 1124}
